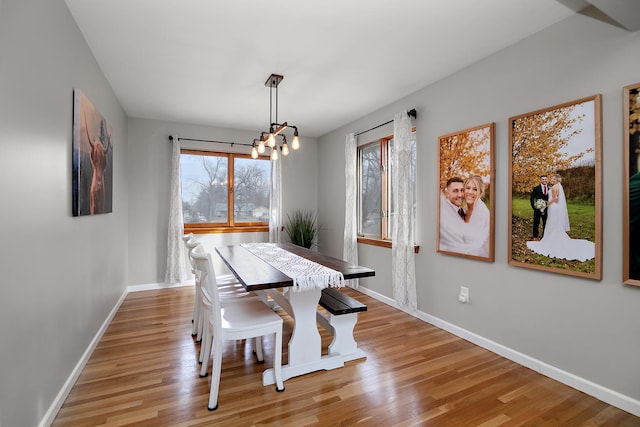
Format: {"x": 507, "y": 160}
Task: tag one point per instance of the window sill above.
{"x": 382, "y": 243}
{"x": 221, "y": 229}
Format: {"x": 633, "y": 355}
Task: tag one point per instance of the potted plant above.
{"x": 302, "y": 228}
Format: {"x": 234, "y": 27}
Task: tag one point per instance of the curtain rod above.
{"x": 231, "y": 143}
{"x": 411, "y": 113}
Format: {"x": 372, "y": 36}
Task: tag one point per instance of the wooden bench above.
{"x": 340, "y": 319}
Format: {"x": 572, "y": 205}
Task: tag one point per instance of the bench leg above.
{"x": 343, "y": 341}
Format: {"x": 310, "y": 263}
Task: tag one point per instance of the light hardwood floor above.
{"x": 144, "y": 372}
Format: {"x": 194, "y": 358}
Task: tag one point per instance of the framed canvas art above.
{"x": 466, "y": 193}
{"x": 555, "y": 181}
{"x": 92, "y": 161}
{"x": 631, "y": 197}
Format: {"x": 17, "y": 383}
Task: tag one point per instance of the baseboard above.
{"x": 604, "y": 394}
{"x": 155, "y": 286}
{"x": 51, "y": 413}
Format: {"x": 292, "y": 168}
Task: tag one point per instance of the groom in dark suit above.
{"x": 539, "y": 192}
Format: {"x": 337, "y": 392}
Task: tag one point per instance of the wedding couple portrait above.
{"x": 555, "y": 179}
{"x": 551, "y": 222}
{"x": 465, "y": 221}
{"x": 464, "y": 217}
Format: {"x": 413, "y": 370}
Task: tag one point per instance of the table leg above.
{"x": 305, "y": 347}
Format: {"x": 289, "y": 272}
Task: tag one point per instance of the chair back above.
{"x": 191, "y": 245}
{"x": 188, "y": 239}
{"x": 195, "y": 247}
{"x": 209, "y": 285}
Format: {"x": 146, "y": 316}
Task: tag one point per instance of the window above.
{"x": 224, "y": 192}
{"x": 375, "y": 192}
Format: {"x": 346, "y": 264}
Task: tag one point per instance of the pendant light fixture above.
{"x": 276, "y": 129}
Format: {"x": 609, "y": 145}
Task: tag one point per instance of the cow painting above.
{"x": 92, "y": 159}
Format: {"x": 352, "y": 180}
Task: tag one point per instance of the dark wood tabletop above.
{"x": 255, "y": 274}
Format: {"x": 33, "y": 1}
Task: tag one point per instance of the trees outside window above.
{"x": 224, "y": 192}
{"x": 375, "y": 193}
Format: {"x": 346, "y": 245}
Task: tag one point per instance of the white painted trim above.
{"x": 51, "y": 413}
{"x": 156, "y": 286}
{"x": 598, "y": 391}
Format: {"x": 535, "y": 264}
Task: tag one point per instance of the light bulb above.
{"x": 274, "y": 154}
{"x": 261, "y": 147}
{"x": 285, "y": 149}
{"x": 295, "y": 143}
{"x": 254, "y": 152}
{"x": 271, "y": 141}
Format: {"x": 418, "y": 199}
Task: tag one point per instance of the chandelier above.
{"x": 276, "y": 129}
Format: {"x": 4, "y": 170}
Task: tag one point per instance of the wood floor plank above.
{"x": 145, "y": 372}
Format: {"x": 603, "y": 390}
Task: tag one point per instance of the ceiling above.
{"x": 206, "y": 62}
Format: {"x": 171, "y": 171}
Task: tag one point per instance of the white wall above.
{"x": 61, "y": 275}
{"x": 149, "y": 163}
{"x": 587, "y": 328}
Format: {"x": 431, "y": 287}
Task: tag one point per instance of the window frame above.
{"x": 230, "y": 226}
{"x": 384, "y": 239}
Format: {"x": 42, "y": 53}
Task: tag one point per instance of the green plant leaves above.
{"x": 302, "y": 228}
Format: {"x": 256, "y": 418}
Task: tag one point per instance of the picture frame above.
{"x": 631, "y": 198}
{"x": 558, "y": 228}
{"x": 92, "y": 159}
{"x": 466, "y": 178}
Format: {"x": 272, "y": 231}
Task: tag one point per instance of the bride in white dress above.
{"x": 556, "y": 243}
{"x": 477, "y": 218}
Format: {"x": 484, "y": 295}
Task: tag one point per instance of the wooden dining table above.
{"x": 305, "y": 349}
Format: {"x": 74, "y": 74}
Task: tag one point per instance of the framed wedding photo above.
{"x": 466, "y": 211}
{"x": 631, "y": 199}
{"x": 555, "y": 176}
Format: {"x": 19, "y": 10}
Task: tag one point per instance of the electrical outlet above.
{"x": 463, "y": 297}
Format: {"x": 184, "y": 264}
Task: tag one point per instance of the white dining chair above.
{"x": 243, "y": 320}
{"x": 231, "y": 290}
{"x": 190, "y": 243}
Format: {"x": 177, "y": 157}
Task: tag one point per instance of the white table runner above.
{"x": 305, "y": 273}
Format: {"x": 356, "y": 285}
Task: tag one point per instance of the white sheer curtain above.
{"x": 350, "y": 248}
{"x": 275, "y": 202}
{"x": 403, "y": 268}
{"x": 177, "y": 270}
